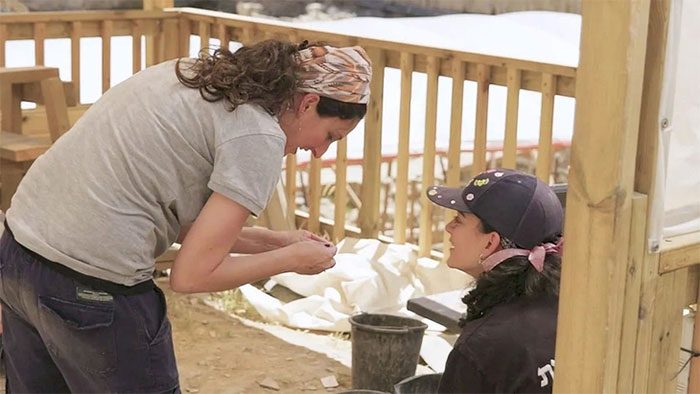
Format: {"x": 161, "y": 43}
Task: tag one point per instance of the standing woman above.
{"x": 183, "y": 151}
{"x": 507, "y": 234}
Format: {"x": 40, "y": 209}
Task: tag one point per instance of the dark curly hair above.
{"x": 265, "y": 73}
{"x": 511, "y": 279}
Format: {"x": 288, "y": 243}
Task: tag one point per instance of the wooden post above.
{"x": 510, "y": 142}
{"x": 455, "y": 145}
{"x": 544, "y": 148}
{"x": 425, "y": 238}
{"x": 75, "y": 33}
{"x": 39, "y": 35}
{"x": 694, "y": 376}
{"x": 371, "y": 181}
{"x": 106, "y": 54}
{"x": 153, "y": 43}
{"x": 598, "y": 209}
{"x": 482, "y": 110}
{"x": 401, "y": 201}
{"x": 341, "y": 191}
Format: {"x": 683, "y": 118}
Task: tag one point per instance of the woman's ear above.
{"x": 308, "y": 101}
{"x": 493, "y": 244}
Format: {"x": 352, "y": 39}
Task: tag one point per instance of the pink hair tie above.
{"x": 535, "y": 255}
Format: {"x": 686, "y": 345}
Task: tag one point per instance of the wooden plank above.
{"x": 544, "y": 150}
{"x": 184, "y": 37}
{"x": 510, "y": 141}
{"x": 3, "y": 39}
{"x": 647, "y": 309}
{"x": 21, "y": 148}
{"x": 371, "y": 182}
{"x": 694, "y": 375}
{"x": 666, "y": 332}
{"x": 10, "y": 176}
{"x": 679, "y": 252}
{"x": 204, "y": 36}
{"x": 290, "y": 185}
{"x": 598, "y": 212}
{"x": 56, "y": 111}
{"x": 39, "y": 35}
{"x": 10, "y": 107}
{"x": 314, "y": 195}
{"x": 136, "y": 47}
{"x": 75, "y": 34}
{"x": 482, "y": 110}
{"x": 106, "y": 55}
{"x": 26, "y": 74}
{"x": 223, "y": 35}
{"x": 32, "y": 92}
{"x": 171, "y": 46}
{"x": 425, "y": 238}
{"x": 341, "y": 190}
{"x": 454, "y": 147}
{"x": 634, "y": 272}
{"x": 645, "y": 177}
{"x": 401, "y": 200}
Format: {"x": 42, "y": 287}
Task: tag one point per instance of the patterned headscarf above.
{"x": 342, "y": 74}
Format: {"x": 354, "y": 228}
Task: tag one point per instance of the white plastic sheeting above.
{"x": 677, "y": 202}
{"x": 369, "y": 276}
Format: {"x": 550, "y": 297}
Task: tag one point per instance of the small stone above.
{"x": 289, "y": 359}
{"x": 205, "y": 322}
{"x": 269, "y": 383}
{"x": 194, "y": 301}
{"x": 192, "y": 390}
{"x": 329, "y": 382}
{"x": 212, "y": 334}
{"x": 247, "y": 349}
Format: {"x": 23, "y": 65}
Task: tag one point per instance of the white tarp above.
{"x": 369, "y": 276}
{"x": 677, "y": 203}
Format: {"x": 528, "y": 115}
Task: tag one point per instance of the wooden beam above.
{"x": 341, "y": 192}
{"x": 510, "y": 141}
{"x": 401, "y": 200}
{"x": 694, "y": 375}
{"x": 679, "y": 252}
{"x": 544, "y": 149}
{"x": 482, "y": 111}
{"x": 75, "y": 34}
{"x": 634, "y": 272}
{"x": 455, "y": 144}
{"x": 371, "y": 180}
{"x": 425, "y": 237}
{"x": 598, "y": 208}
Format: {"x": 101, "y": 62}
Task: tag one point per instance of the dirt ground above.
{"x": 218, "y": 354}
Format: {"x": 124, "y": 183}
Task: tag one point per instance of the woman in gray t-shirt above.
{"x": 183, "y": 151}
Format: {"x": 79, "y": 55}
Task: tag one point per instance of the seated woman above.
{"x": 507, "y": 234}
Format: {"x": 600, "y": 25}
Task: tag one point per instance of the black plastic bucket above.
{"x": 385, "y": 350}
{"x": 421, "y": 384}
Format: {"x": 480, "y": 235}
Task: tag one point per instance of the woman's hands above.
{"x": 286, "y": 238}
{"x": 311, "y": 256}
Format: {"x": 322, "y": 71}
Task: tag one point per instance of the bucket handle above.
{"x": 382, "y": 330}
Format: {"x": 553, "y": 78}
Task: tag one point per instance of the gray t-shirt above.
{"x": 111, "y": 194}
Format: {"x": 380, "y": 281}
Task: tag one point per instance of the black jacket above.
{"x": 509, "y": 350}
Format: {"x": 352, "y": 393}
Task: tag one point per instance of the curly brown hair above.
{"x": 263, "y": 74}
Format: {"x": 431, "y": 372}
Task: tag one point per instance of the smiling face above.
{"x": 306, "y": 129}
{"x": 470, "y": 243}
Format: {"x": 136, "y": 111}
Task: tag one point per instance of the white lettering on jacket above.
{"x": 544, "y": 370}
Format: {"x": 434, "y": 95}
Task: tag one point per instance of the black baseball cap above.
{"x": 518, "y": 206}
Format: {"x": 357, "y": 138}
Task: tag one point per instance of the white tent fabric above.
{"x": 677, "y": 203}
{"x": 681, "y": 136}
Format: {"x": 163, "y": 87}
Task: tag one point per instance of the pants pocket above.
{"x": 161, "y": 351}
{"x": 80, "y": 333}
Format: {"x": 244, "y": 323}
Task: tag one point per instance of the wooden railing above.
{"x": 168, "y": 35}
